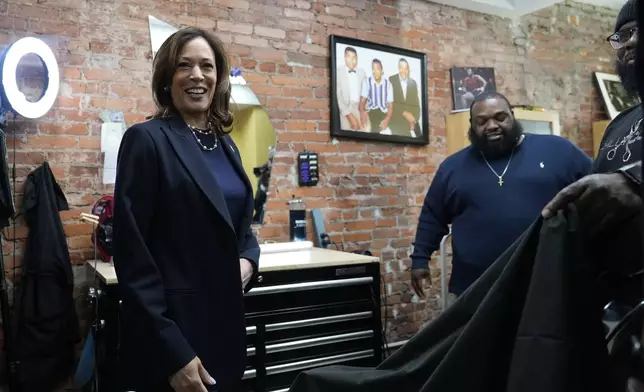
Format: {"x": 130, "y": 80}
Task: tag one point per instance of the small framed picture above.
{"x": 378, "y": 92}
{"x": 468, "y": 83}
{"x": 616, "y": 98}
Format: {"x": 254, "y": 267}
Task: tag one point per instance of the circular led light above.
{"x": 16, "y": 98}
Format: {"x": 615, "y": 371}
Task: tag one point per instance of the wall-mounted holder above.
{"x": 308, "y": 172}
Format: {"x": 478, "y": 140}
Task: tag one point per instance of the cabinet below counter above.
{"x": 333, "y": 318}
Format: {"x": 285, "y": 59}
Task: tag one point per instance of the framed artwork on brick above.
{"x": 615, "y": 97}
{"x": 468, "y": 83}
{"x": 378, "y": 92}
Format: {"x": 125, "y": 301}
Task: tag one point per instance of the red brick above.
{"x": 75, "y": 229}
{"x": 267, "y": 67}
{"x": 235, "y": 4}
{"x": 306, "y": 5}
{"x": 47, "y": 142}
{"x": 270, "y": 32}
{"x": 238, "y": 28}
{"x": 90, "y": 143}
{"x": 250, "y": 41}
{"x": 331, "y": 20}
{"x": 298, "y": 14}
{"x": 64, "y": 129}
{"x": 298, "y": 92}
{"x": 346, "y": 12}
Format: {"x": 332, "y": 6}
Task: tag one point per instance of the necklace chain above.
{"x": 207, "y": 131}
{"x": 500, "y": 177}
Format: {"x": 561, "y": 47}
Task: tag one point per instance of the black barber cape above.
{"x": 45, "y": 322}
{"x": 527, "y": 325}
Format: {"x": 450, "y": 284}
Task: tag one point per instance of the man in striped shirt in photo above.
{"x": 377, "y": 103}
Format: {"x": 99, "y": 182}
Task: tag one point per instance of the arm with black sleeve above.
{"x": 433, "y": 225}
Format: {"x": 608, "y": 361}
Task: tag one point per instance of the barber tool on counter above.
{"x": 297, "y": 220}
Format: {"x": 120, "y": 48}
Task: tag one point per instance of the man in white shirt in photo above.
{"x": 348, "y": 88}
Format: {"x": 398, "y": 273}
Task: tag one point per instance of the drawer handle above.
{"x": 251, "y": 373}
{"x": 317, "y": 321}
{"x": 316, "y": 285}
{"x": 251, "y": 330}
{"x": 304, "y": 343}
{"x": 310, "y": 363}
{"x": 250, "y": 351}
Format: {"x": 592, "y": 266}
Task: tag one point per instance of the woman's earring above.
{"x": 166, "y": 89}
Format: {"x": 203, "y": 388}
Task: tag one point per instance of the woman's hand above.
{"x": 246, "y": 272}
{"x": 191, "y": 378}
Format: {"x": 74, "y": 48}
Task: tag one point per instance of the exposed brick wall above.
{"x": 370, "y": 193}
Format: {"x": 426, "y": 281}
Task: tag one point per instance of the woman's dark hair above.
{"x": 165, "y": 65}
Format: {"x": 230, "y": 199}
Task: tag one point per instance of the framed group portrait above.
{"x": 378, "y": 92}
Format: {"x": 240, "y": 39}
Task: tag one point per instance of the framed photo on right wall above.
{"x": 614, "y": 95}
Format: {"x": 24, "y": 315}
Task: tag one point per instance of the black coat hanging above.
{"x": 45, "y": 323}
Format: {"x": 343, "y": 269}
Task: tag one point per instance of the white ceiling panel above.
{"x": 516, "y": 8}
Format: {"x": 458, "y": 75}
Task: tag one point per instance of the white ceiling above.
{"x": 516, "y": 8}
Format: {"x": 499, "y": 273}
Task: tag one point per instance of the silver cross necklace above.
{"x": 500, "y": 177}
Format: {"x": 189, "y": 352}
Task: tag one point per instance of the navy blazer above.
{"x": 176, "y": 256}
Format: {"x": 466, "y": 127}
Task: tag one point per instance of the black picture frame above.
{"x": 615, "y": 97}
{"x": 391, "y": 66}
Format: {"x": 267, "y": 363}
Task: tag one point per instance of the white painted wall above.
{"x": 617, "y": 4}
{"x": 516, "y": 8}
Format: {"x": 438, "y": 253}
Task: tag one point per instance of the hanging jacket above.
{"x": 529, "y": 324}
{"x": 46, "y": 326}
{"x": 7, "y": 209}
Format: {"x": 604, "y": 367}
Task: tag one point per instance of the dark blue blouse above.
{"x": 231, "y": 184}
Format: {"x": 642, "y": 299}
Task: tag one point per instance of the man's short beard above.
{"x": 510, "y": 139}
{"x": 628, "y": 75}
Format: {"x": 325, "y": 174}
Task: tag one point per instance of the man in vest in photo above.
{"x": 376, "y": 105}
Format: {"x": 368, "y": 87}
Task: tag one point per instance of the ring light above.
{"x": 16, "y": 99}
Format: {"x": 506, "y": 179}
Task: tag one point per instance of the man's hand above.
{"x": 191, "y": 378}
{"x": 634, "y": 385}
{"x": 246, "y": 269}
{"x": 355, "y": 124}
{"x": 418, "y": 276}
{"x": 364, "y": 118}
{"x": 601, "y": 199}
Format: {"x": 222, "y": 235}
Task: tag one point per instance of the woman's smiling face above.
{"x": 194, "y": 80}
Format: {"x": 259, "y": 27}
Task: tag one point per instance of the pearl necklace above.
{"x": 207, "y": 131}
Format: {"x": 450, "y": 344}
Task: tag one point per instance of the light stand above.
{"x": 13, "y": 100}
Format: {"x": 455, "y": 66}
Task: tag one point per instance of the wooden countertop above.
{"x": 274, "y": 257}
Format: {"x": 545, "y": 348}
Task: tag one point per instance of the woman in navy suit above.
{"x": 184, "y": 252}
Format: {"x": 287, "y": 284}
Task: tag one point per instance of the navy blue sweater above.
{"x": 487, "y": 218}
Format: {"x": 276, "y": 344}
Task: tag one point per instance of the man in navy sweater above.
{"x": 491, "y": 191}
